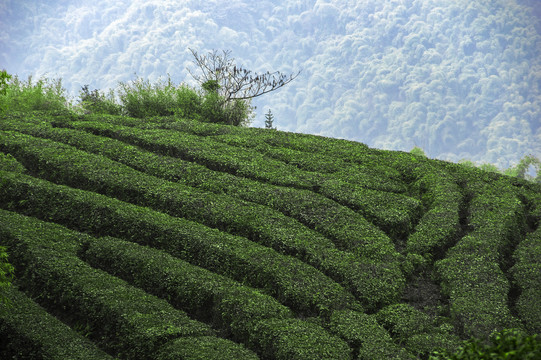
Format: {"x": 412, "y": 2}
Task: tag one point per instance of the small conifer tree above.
{"x": 269, "y": 118}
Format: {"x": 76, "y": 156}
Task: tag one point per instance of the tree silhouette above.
{"x": 234, "y": 81}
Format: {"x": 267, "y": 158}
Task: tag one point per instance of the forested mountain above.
{"x": 458, "y": 78}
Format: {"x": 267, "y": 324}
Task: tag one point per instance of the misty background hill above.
{"x": 458, "y": 78}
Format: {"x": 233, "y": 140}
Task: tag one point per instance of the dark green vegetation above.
{"x": 169, "y": 238}
{"x": 177, "y": 239}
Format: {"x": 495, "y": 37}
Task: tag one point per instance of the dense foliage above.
{"x": 168, "y": 237}
{"x": 138, "y": 98}
{"x": 507, "y": 344}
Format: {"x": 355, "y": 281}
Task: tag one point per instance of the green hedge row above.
{"x": 395, "y": 218}
{"x": 334, "y": 221}
{"x": 308, "y": 152}
{"x": 372, "y": 174}
{"x": 214, "y": 155}
{"x": 394, "y": 213}
{"x": 57, "y": 163}
{"x": 301, "y": 159}
{"x": 61, "y": 163}
{"x": 439, "y": 227}
{"x": 303, "y": 150}
{"x": 498, "y": 217}
{"x": 391, "y": 216}
{"x": 354, "y": 178}
{"x": 27, "y": 331}
{"x": 77, "y": 288}
{"x": 231, "y": 306}
{"x": 9, "y": 163}
{"x": 348, "y": 183}
{"x": 297, "y": 339}
{"x": 311, "y": 209}
{"x": 203, "y": 348}
{"x": 526, "y": 274}
{"x": 120, "y": 318}
{"x": 208, "y": 296}
{"x": 418, "y": 332}
{"x": 27, "y": 148}
{"x": 373, "y": 162}
{"x": 362, "y": 332}
{"x": 296, "y": 141}
{"x": 478, "y": 292}
{"x": 284, "y": 277}
{"x": 194, "y": 289}
{"x": 472, "y": 274}
{"x": 505, "y": 344}
{"x": 169, "y": 168}
{"x": 44, "y": 234}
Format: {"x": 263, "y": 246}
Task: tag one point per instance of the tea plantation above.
{"x": 176, "y": 239}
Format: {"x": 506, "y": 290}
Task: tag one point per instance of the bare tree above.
{"x": 235, "y": 82}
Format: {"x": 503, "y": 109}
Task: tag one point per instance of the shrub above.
{"x": 4, "y": 78}
{"x": 216, "y": 110}
{"x": 508, "y": 344}
{"x": 418, "y": 151}
{"x": 187, "y": 103}
{"x": 141, "y": 99}
{"x": 95, "y": 102}
{"x": 45, "y": 94}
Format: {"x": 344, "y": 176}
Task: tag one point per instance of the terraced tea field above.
{"x": 168, "y": 239}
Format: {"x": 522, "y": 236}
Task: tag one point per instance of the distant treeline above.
{"x": 520, "y": 170}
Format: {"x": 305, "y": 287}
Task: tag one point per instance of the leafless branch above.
{"x": 236, "y": 82}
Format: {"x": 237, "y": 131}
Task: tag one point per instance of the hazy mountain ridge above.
{"x": 375, "y": 254}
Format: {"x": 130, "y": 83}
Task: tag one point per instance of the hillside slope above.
{"x": 175, "y": 239}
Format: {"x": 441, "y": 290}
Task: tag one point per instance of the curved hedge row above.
{"x": 365, "y": 254}
{"x": 439, "y": 227}
{"x": 9, "y": 163}
{"x": 214, "y": 299}
{"x": 123, "y": 319}
{"x": 222, "y": 301}
{"x": 228, "y": 306}
{"x": 291, "y": 202}
{"x": 27, "y": 331}
{"x": 64, "y": 164}
{"x": 282, "y": 276}
{"x": 363, "y": 200}
{"x": 418, "y": 332}
{"x": 214, "y": 155}
{"x": 473, "y": 271}
{"x": 526, "y": 274}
